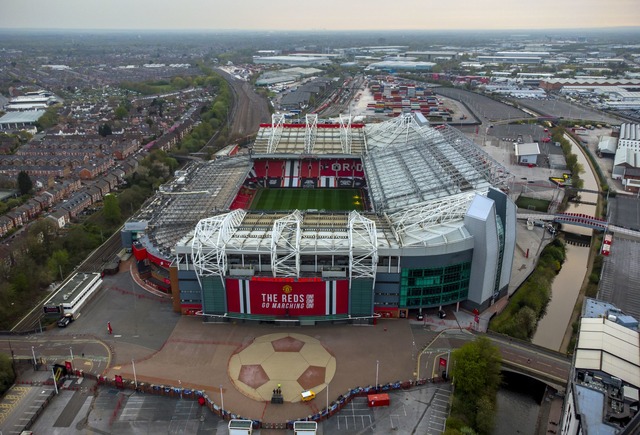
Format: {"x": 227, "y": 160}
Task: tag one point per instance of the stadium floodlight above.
{"x": 285, "y": 245}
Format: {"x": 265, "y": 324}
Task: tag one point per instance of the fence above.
{"x": 204, "y": 400}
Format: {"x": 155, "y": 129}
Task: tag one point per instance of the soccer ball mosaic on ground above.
{"x": 295, "y": 361}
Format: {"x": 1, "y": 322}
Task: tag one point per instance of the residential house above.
{"x": 6, "y": 225}
{"x": 77, "y": 203}
{"x": 60, "y": 217}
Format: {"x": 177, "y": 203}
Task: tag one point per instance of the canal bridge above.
{"x": 581, "y": 220}
{"x": 518, "y": 356}
{"x": 537, "y": 362}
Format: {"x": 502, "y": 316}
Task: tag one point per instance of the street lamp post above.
{"x": 377, "y": 366}
{"x": 71, "y": 352}
{"x": 221, "y": 402}
{"x": 13, "y": 359}
{"x": 327, "y": 397}
{"x": 33, "y": 353}
{"x": 135, "y": 378}
{"x": 55, "y": 382}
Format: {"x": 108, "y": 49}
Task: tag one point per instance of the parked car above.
{"x": 65, "y": 320}
{"x": 307, "y": 395}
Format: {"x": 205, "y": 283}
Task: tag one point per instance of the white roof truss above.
{"x": 363, "y": 251}
{"x": 345, "y": 133}
{"x": 209, "y": 241}
{"x": 277, "y": 122}
{"x": 310, "y": 133}
{"x": 285, "y": 245}
{"x": 417, "y": 220}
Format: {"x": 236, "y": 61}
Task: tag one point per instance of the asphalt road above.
{"x": 485, "y": 108}
{"x": 139, "y": 319}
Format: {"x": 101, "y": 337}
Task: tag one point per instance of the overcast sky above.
{"x": 318, "y": 14}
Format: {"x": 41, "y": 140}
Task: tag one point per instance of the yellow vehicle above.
{"x": 307, "y": 395}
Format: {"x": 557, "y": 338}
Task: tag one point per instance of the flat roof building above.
{"x": 602, "y": 395}
{"x": 20, "y": 120}
{"x": 527, "y": 153}
{"x": 402, "y": 65}
{"x": 291, "y": 60}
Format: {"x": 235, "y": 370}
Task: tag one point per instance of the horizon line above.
{"x": 207, "y": 30}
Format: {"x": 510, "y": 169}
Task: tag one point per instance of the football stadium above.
{"x": 331, "y": 221}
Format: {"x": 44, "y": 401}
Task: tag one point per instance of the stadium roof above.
{"x": 422, "y": 181}
{"x": 410, "y": 164}
{"x": 280, "y": 140}
{"x": 205, "y": 190}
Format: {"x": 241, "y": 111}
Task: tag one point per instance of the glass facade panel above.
{"x": 432, "y": 287}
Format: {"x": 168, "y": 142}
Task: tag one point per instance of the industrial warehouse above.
{"x": 332, "y": 221}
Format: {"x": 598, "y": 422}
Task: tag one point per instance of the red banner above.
{"x": 443, "y": 362}
{"x": 275, "y": 297}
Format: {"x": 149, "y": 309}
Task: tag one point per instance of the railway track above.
{"x": 249, "y": 109}
{"x": 104, "y": 254}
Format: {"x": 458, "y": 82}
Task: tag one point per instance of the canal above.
{"x": 566, "y": 286}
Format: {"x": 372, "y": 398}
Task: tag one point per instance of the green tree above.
{"x": 121, "y": 112}
{"x": 49, "y": 118}
{"x": 104, "y": 130}
{"x": 24, "y": 183}
{"x": 476, "y": 367}
{"x": 111, "y": 209}
{"x": 476, "y": 376}
{"x": 7, "y": 375}
{"x": 58, "y": 263}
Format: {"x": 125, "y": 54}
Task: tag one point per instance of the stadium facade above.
{"x": 429, "y": 224}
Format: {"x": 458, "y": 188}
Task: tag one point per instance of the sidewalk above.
{"x": 359, "y": 352}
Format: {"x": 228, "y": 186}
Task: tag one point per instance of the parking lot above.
{"x": 562, "y": 108}
{"x": 420, "y": 410}
{"x": 621, "y": 276}
{"x": 21, "y": 404}
{"x": 116, "y": 411}
{"x": 485, "y": 108}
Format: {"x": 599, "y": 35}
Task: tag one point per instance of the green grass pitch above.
{"x": 305, "y": 199}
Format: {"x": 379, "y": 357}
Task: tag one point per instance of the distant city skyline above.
{"x": 327, "y": 15}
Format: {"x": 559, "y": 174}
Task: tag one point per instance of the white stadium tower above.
{"x": 431, "y": 225}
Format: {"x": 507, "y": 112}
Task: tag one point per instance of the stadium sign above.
{"x": 294, "y": 298}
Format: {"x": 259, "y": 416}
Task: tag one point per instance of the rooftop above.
{"x": 310, "y": 137}
{"x": 605, "y": 346}
{"x": 72, "y": 289}
{"x": 205, "y": 189}
{"x": 409, "y": 163}
{"x": 26, "y": 116}
{"x": 630, "y": 131}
